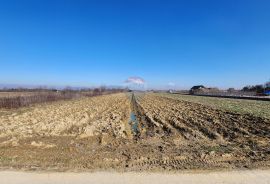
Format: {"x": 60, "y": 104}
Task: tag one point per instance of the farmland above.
{"x": 134, "y": 132}
{"x": 254, "y": 107}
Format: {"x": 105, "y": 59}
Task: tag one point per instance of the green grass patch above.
{"x": 254, "y": 107}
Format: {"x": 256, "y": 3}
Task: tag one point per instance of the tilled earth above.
{"x": 128, "y": 132}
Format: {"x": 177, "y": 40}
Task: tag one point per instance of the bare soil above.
{"x": 228, "y": 177}
{"x": 126, "y": 132}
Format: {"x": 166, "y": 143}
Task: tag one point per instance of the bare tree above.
{"x": 267, "y": 85}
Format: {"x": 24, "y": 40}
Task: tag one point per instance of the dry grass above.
{"x": 9, "y": 100}
{"x": 28, "y": 99}
{"x": 16, "y": 94}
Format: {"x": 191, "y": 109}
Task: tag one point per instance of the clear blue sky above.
{"x": 83, "y": 43}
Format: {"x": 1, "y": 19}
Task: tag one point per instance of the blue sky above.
{"x": 84, "y": 43}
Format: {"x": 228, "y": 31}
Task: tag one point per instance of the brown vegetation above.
{"x": 24, "y": 97}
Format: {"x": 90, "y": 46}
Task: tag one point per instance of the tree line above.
{"x": 259, "y": 89}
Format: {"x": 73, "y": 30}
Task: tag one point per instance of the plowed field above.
{"x": 131, "y": 132}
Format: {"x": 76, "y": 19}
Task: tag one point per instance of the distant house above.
{"x": 196, "y": 88}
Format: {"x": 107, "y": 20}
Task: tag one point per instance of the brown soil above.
{"x": 220, "y": 177}
{"x": 98, "y": 134}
